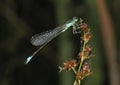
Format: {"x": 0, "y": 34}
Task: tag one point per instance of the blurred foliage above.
{"x": 20, "y": 19}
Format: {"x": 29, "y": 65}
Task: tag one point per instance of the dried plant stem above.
{"x": 78, "y": 82}
{"x": 82, "y": 58}
{"x": 74, "y": 70}
{"x": 79, "y": 66}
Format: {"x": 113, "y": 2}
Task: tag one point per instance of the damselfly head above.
{"x": 75, "y": 19}
{"x": 77, "y": 25}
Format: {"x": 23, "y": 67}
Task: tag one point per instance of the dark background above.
{"x": 20, "y": 19}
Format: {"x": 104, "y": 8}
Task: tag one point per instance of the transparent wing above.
{"x": 44, "y": 37}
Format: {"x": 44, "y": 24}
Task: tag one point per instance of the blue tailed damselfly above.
{"x": 43, "y": 38}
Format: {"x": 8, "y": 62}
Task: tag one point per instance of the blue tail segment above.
{"x": 28, "y": 59}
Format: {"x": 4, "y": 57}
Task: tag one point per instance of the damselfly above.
{"x": 43, "y": 38}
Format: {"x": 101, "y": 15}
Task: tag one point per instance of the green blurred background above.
{"x": 20, "y": 19}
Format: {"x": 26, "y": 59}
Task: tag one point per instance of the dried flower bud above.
{"x": 79, "y": 75}
{"x": 70, "y": 64}
{"x": 87, "y": 49}
{"x": 83, "y": 26}
{"x": 87, "y": 37}
{"x": 85, "y": 71}
{"x": 79, "y": 55}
